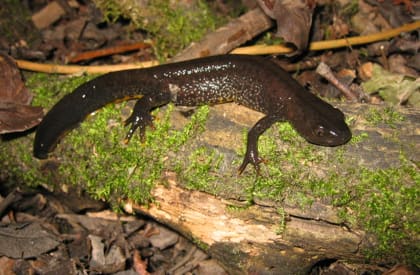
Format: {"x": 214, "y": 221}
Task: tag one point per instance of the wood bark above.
{"x": 48, "y": 15}
{"x": 228, "y": 37}
{"x": 246, "y": 241}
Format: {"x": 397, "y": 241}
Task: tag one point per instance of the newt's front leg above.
{"x": 251, "y": 155}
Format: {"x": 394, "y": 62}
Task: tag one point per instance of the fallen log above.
{"x": 284, "y": 237}
{"x": 310, "y": 205}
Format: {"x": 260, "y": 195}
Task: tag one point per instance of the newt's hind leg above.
{"x": 140, "y": 117}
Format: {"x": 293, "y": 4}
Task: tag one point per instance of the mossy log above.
{"x": 282, "y": 236}
{"x": 357, "y": 202}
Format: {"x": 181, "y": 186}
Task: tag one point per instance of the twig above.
{"x": 326, "y": 72}
{"x": 74, "y": 69}
{"x": 330, "y": 44}
{"x": 6, "y": 202}
{"x": 258, "y": 49}
{"x": 228, "y": 37}
{"x": 107, "y": 51}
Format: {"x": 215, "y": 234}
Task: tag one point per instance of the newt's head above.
{"x": 325, "y": 127}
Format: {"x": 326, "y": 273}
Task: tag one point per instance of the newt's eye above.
{"x": 320, "y": 131}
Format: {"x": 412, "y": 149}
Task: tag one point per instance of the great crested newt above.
{"x": 255, "y": 82}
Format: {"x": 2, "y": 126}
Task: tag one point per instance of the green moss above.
{"x": 47, "y": 88}
{"x": 270, "y": 39}
{"x": 379, "y": 204}
{"x": 392, "y": 87}
{"x": 359, "y": 138}
{"x": 201, "y": 244}
{"x": 171, "y": 25}
{"x": 386, "y": 208}
{"x": 112, "y": 171}
{"x": 282, "y": 223}
{"x": 382, "y": 202}
{"x": 237, "y": 208}
{"x": 388, "y": 115}
{"x": 17, "y": 23}
{"x": 93, "y": 156}
{"x": 196, "y": 125}
{"x": 201, "y": 173}
{"x": 282, "y": 166}
{"x": 350, "y": 9}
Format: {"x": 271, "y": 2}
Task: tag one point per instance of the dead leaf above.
{"x": 393, "y": 12}
{"x": 365, "y": 71}
{"x": 7, "y": 265}
{"x": 401, "y": 269}
{"x": 111, "y": 262}
{"x": 25, "y": 241}
{"x": 15, "y": 113}
{"x": 394, "y": 88}
{"x": 12, "y": 87}
{"x": 397, "y": 63}
{"x": 294, "y": 20}
{"x": 139, "y": 265}
{"x": 18, "y": 117}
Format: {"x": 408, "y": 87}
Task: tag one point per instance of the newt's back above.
{"x": 251, "y": 81}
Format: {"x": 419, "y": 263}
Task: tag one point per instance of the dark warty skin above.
{"x": 254, "y": 82}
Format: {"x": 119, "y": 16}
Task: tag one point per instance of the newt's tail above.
{"x": 76, "y": 106}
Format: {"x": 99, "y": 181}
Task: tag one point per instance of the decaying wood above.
{"x": 48, "y": 15}
{"x": 249, "y": 241}
{"x": 207, "y": 220}
{"x": 228, "y": 37}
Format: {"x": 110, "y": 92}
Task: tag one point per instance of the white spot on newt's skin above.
{"x": 199, "y": 69}
{"x": 174, "y": 90}
{"x": 83, "y": 96}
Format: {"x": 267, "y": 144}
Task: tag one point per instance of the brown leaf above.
{"x": 111, "y": 262}
{"x": 26, "y": 241}
{"x": 12, "y": 87}
{"x": 401, "y": 270}
{"x": 393, "y": 12}
{"x": 15, "y": 113}
{"x": 139, "y": 265}
{"x": 7, "y": 265}
{"x": 294, "y": 20}
{"x": 17, "y": 117}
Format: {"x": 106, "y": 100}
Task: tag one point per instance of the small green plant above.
{"x": 282, "y": 223}
{"x": 269, "y": 39}
{"x": 385, "y": 208}
{"x": 350, "y": 9}
{"x": 383, "y": 202}
{"x": 93, "y": 155}
{"x": 359, "y": 138}
{"x": 112, "y": 171}
{"x": 388, "y": 116}
{"x": 171, "y": 25}
{"x": 201, "y": 172}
